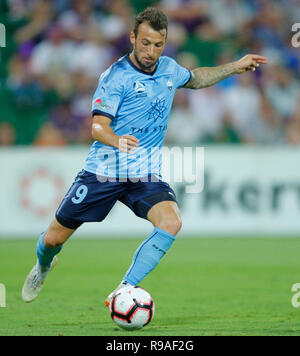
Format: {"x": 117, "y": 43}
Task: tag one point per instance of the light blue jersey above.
{"x": 138, "y": 104}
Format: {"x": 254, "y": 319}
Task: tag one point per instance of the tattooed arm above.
{"x": 207, "y": 76}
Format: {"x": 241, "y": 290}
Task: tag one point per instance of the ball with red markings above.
{"x": 132, "y": 307}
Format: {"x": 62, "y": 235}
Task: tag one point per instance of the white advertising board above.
{"x": 246, "y": 191}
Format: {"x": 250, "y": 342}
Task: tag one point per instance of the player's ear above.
{"x": 132, "y": 37}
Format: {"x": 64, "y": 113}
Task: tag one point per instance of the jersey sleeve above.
{"x": 183, "y": 75}
{"x": 108, "y": 95}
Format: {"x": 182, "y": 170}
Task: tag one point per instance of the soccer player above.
{"x": 131, "y": 107}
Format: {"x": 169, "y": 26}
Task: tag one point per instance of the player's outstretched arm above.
{"x": 102, "y": 132}
{"x": 206, "y": 76}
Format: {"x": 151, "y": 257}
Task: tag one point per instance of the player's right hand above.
{"x": 250, "y": 62}
{"x": 127, "y": 143}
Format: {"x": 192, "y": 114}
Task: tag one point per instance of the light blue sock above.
{"x": 148, "y": 255}
{"x": 45, "y": 255}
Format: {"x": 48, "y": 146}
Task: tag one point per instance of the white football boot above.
{"x": 110, "y": 296}
{"x": 35, "y": 280}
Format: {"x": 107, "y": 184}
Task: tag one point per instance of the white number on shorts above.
{"x": 80, "y": 194}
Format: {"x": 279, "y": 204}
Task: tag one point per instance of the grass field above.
{"x": 201, "y": 287}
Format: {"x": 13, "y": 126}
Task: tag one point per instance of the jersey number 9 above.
{"x": 80, "y": 194}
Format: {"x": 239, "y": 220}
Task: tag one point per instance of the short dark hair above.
{"x": 154, "y": 16}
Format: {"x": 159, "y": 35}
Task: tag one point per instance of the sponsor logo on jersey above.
{"x": 101, "y": 104}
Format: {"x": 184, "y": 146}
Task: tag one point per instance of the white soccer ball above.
{"x": 132, "y": 307}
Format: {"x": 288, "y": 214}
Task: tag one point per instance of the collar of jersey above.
{"x": 137, "y": 69}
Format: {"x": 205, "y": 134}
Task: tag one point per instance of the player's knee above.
{"x": 51, "y": 241}
{"x": 170, "y": 224}
{"x": 177, "y": 225}
{"x": 54, "y": 239}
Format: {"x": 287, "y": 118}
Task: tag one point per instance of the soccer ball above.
{"x": 132, "y": 307}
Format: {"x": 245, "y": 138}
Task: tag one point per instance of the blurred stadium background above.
{"x": 249, "y": 125}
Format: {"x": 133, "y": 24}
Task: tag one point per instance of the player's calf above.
{"x": 48, "y": 246}
{"x": 57, "y": 234}
{"x": 146, "y": 258}
{"x": 51, "y": 242}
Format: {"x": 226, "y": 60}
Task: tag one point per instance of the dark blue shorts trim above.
{"x": 142, "y": 207}
{"x": 68, "y": 223}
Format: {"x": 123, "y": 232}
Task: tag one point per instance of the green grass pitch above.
{"x": 206, "y": 286}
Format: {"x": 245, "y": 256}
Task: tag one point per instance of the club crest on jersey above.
{"x": 140, "y": 89}
{"x": 170, "y": 85}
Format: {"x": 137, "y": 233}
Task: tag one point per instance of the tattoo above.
{"x": 206, "y": 76}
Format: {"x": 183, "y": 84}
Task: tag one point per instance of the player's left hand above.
{"x": 250, "y": 62}
{"x": 127, "y": 143}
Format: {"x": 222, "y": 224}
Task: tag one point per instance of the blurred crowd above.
{"x": 56, "y": 50}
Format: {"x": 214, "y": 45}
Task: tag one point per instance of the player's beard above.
{"x": 143, "y": 66}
